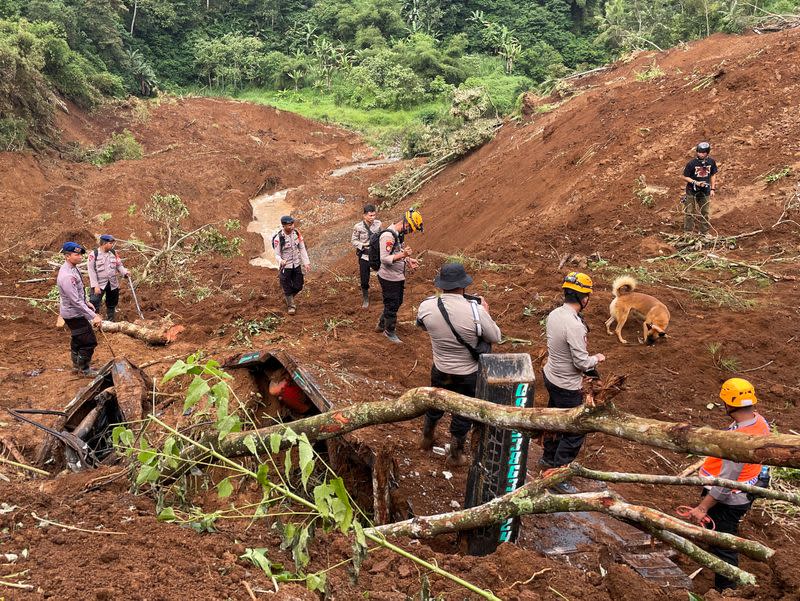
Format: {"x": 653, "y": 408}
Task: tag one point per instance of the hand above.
{"x": 713, "y": 192}
{"x": 702, "y": 184}
{"x": 697, "y": 515}
{"x": 283, "y": 263}
{"x": 600, "y": 357}
{"x": 307, "y": 267}
{"x": 407, "y": 251}
{"x": 97, "y": 321}
{"x": 97, "y": 290}
{"x": 127, "y": 275}
{"x": 412, "y": 263}
{"x": 484, "y": 304}
{"x": 91, "y": 306}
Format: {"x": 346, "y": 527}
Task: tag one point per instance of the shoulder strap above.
{"x": 472, "y": 351}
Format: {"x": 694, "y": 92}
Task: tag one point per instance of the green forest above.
{"x": 392, "y": 61}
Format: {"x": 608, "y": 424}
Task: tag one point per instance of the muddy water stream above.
{"x": 268, "y": 209}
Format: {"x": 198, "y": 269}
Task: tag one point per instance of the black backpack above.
{"x": 282, "y": 238}
{"x": 375, "y": 248}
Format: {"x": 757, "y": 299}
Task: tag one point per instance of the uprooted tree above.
{"x": 331, "y": 504}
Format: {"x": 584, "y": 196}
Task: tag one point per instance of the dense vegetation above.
{"x": 387, "y": 55}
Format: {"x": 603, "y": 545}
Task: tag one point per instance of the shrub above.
{"x": 13, "y": 133}
{"x": 502, "y": 90}
{"x": 121, "y": 147}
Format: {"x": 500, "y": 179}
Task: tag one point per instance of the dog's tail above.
{"x": 624, "y": 284}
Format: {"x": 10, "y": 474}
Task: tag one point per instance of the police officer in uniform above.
{"x": 395, "y": 257}
{"x": 455, "y": 366}
{"x": 292, "y": 259}
{"x": 79, "y": 315}
{"x": 104, "y": 265}
{"x": 362, "y": 231}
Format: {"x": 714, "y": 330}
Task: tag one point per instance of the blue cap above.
{"x": 73, "y": 247}
{"x": 107, "y": 238}
{"x": 286, "y": 219}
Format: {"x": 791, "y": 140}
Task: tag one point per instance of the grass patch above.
{"x": 652, "y": 72}
{"x": 778, "y": 174}
{"x": 121, "y": 147}
{"x": 381, "y": 127}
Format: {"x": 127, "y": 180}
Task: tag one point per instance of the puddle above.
{"x": 267, "y": 212}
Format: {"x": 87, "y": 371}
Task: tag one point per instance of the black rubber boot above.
{"x": 85, "y": 368}
{"x": 111, "y": 312}
{"x": 428, "y": 429}
{"x": 364, "y": 298}
{"x": 291, "y": 309}
{"x": 457, "y": 456}
{"x": 76, "y": 361}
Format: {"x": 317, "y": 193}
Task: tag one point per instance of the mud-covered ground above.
{"x": 552, "y": 184}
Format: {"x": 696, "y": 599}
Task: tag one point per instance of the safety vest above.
{"x": 712, "y": 466}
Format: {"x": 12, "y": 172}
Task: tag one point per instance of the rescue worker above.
{"x": 395, "y": 257}
{"x": 103, "y": 266}
{"x": 724, "y": 506}
{"x": 78, "y": 314}
{"x": 447, "y": 318}
{"x": 568, "y": 361}
{"x": 292, "y": 259}
{"x": 700, "y": 175}
{"x": 362, "y": 231}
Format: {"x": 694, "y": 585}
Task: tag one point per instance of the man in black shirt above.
{"x": 700, "y": 175}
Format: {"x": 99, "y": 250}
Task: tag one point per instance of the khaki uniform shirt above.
{"x": 104, "y": 269}
{"x": 567, "y": 357}
{"x": 391, "y": 271}
{"x": 449, "y": 355}
{"x": 294, "y": 249}
{"x": 360, "y": 237}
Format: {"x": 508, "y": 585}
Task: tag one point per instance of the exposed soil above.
{"x": 556, "y": 183}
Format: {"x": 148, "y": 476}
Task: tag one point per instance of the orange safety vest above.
{"x": 713, "y": 465}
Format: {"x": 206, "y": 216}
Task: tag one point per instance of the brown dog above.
{"x": 654, "y": 312}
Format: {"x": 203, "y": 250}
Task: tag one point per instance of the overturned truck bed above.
{"x": 369, "y": 472}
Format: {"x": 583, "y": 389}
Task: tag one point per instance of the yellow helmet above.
{"x": 580, "y": 282}
{"x": 738, "y": 392}
{"x": 414, "y": 219}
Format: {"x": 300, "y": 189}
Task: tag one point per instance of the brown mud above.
{"x": 555, "y": 183}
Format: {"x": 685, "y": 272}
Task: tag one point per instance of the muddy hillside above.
{"x": 588, "y": 179}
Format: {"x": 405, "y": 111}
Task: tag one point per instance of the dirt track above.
{"x": 557, "y": 183}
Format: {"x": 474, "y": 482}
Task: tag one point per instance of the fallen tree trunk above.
{"x": 774, "y": 449}
{"x": 150, "y": 335}
{"x": 533, "y": 498}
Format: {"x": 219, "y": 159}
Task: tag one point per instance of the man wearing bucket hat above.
{"x": 395, "y": 256}
{"x": 76, "y": 312}
{"x": 460, "y": 329}
{"x": 104, "y": 265}
{"x": 292, "y": 258}
{"x": 568, "y": 361}
{"x": 723, "y": 508}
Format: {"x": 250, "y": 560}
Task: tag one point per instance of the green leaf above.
{"x": 122, "y": 436}
{"x": 250, "y": 444}
{"x": 167, "y": 515}
{"x": 306, "y": 454}
{"x": 300, "y": 548}
{"x": 693, "y": 597}
{"x": 178, "y": 369}
{"x": 258, "y": 557}
{"x": 361, "y": 540}
{"x": 290, "y": 435}
{"x": 195, "y": 392}
{"x": 288, "y": 534}
{"x": 316, "y": 582}
{"x": 146, "y": 456}
{"x": 322, "y": 494}
{"x": 343, "y": 510}
{"x": 287, "y": 464}
{"x": 224, "y": 488}
{"x": 275, "y": 440}
{"x": 229, "y": 424}
{"x": 221, "y": 394}
{"x": 261, "y": 475}
{"x": 148, "y": 473}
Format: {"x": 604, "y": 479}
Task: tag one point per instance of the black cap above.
{"x": 287, "y": 219}
{"x": 452, "y": 276}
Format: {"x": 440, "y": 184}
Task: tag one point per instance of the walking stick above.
{"x": 135, "y": 300}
